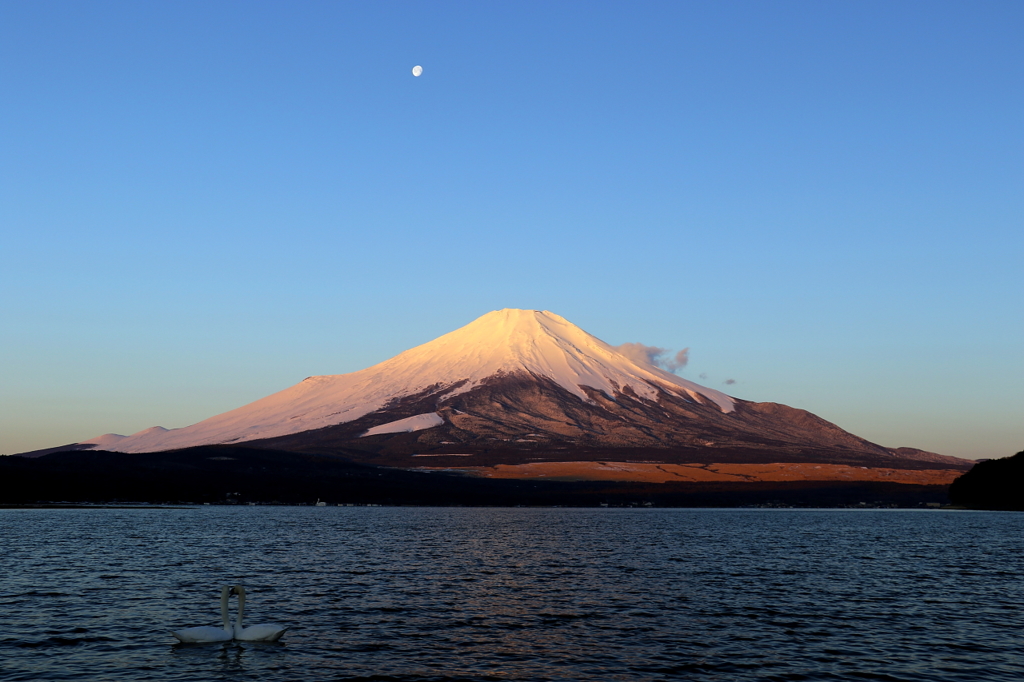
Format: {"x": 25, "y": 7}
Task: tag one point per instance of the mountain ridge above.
{"x": 499, "y": 343}
{"x": 516, "y": 386}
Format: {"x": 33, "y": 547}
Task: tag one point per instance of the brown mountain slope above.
{"x": 521, "y": 418}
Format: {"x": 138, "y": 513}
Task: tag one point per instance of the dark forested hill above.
{"x": 995, "y": 484}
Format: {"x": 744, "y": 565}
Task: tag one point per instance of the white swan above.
{"x": 264, "y": 632}
{"x": 205, "y": 633}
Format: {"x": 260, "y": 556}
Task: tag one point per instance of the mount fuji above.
{"x": 516, "y": 388}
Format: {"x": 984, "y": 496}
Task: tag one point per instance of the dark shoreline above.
{"x": 98, "y": 505}
{"x": 240, "y": 475}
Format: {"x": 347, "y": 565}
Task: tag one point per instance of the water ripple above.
{"x": 515, "y": 594}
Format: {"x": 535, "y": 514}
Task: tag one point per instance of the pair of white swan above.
{"x": 264, "y": 632}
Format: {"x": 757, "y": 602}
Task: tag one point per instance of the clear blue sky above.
{"x": 202, "y": 203}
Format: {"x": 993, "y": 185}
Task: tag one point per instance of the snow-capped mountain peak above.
{"x": 500, "y": 343}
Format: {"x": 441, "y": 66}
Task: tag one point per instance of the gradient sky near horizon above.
{"x": 204, "y": 203}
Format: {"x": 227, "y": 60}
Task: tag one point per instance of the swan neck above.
{"x": 224, "y": 596}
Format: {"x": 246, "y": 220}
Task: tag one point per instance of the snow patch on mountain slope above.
{"x": 501, "y": 342}
{"x": 408, "y": 425}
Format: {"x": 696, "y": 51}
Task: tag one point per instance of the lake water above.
{"x": 515, "y": 594}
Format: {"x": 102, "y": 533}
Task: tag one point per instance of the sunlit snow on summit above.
{"x": 502, "y": 342}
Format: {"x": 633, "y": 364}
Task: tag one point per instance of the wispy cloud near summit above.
{"x": 655, "y": 355}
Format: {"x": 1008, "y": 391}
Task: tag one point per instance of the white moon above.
{"x": 417, "y": 70}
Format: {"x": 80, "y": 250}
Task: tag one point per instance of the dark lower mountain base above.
{"x": 523, "y": 418}
{"x": 235, "y": 474}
